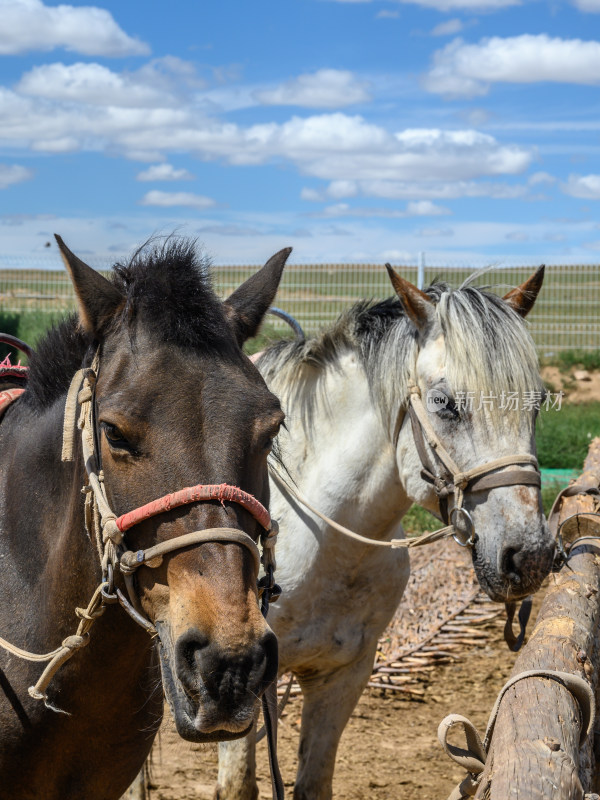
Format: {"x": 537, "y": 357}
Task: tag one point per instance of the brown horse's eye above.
{"x": 268, "y": 445}
{"x": 114, "y": 437}
{"x": 271, "y": 436}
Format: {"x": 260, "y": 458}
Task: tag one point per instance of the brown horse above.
{"x": 175, "y": 403}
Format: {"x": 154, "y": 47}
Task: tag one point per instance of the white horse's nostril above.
{"x": 509, "y": 565}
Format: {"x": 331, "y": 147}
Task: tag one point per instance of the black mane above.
{"x": 168, "y": 291}
{"x": 168, "y": 288}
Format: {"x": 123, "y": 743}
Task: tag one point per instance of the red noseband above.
{"x": 193, "y": 494}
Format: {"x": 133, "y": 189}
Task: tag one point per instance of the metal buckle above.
{"x": 465, "y": 519}
{"x": 560, "y": 554}
{"x": 268, "y": 590}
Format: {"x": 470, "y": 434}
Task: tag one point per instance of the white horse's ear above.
{"x": 524, "y": 296}
{"x": 98, "y": 299}
{"x": 418, "y": 306}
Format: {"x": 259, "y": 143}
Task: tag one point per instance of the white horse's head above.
{"x": 476, "y": 389}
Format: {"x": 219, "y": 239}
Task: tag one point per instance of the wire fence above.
{"x": 565, "y": 317}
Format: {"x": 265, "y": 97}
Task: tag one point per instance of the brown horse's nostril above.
{"x": 188, "y": 653}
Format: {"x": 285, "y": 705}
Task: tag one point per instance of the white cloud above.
{"x": 476, "y": 117}
{"x": 155, "y": 85}
{"x": 13, "y": 174}
{"x": 339, "y": 189}
{"x": 371, "y": 240}
{"x": 449, "y": 5}
{"x": 172, "y": 199}
{"x": 467, "y": 70}
{"x": 422, "y": 208}
{"x": 326, "y": 88}
{"x": 387, "y": 15}
{"x": 434, "y": 233}
{"x": 541, "y": 178}
{"x": 448, "y": 28}
{"x": 89, "y": 83}
{"x": 425, "y": 208}
{"x": 334, "y": 147}
{"x": 588, "y": 5}
{"x": 399, "y": 190}
{"x": 31, "y": 25}
{"x": 164, "y": 172}
{"x": 312, "y": 195}
{"x": 587, "y": 187}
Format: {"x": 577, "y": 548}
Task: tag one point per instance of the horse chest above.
{"x": 327, "y": 623}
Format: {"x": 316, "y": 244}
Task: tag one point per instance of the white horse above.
{"x": 350, "y": 449}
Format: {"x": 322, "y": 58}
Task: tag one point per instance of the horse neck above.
{"x": 341, "y": 453}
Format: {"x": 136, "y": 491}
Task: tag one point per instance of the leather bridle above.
{"x": 108, "y": 529}
{"x": 448, "y": 480}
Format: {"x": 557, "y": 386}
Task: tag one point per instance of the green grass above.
{"x": 267, "y": 335}
{"x": 587, "y": 359}
{"x": 29, "y": 326}
{"x": 563, "y": 436}
{"x": 417, "y": 520}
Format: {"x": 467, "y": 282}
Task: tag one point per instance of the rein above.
{"x": 473, "y": 758}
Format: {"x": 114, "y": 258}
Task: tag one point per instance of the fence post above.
{"x": 421, "y": 270}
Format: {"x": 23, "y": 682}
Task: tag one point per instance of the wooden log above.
{"x": 535, "y": 753}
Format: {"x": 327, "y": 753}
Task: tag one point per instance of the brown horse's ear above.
{"x": 98, "y": 299}
{"x": 417, "y": 305}
{"x": 524, "y": 296}
{"x": 246, "y": 307}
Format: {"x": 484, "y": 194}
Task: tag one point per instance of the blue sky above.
{"x": 353, "y": 130}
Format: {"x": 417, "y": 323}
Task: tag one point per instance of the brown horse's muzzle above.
{"x": 212, "y": 689}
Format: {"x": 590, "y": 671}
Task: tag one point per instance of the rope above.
{"x": 153, "y": 556}
{"x": 457, "y": 483}
{"x": 426, "y": 538}
{"x": 474, "y": 757}
{"x": 192, "y": 494}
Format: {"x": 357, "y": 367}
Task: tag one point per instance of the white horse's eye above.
{"x": 449, "y": 411}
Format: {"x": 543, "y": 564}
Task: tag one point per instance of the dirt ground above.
{"x": 389, "y": 750}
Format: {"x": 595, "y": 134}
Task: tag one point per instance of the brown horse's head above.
{"x": 178, "y": 404}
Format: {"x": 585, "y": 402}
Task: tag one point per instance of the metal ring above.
{"x": 466, "y": 519}
{"x": 574, "y": 516}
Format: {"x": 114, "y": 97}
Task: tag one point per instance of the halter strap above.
{"x": 153, "y": 556}
{"x": 452, "y": 480}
